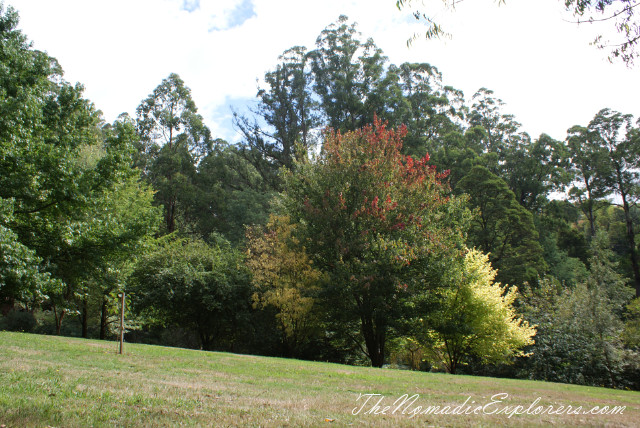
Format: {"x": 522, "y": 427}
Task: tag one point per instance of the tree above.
{"x": 173, "y": 139}
{"x": 285, "y": 279}
{"x": 534, "y": 169}
{"x": 587, "y": 159}
{"x": 418, "y": 98}
{"x": 621, "y": 141}
{"x": 194, "y": 285}
{"x": 565, "y": 246}
{"x": 579, "y": 329}
{"x": 21, "y": 277}
{"x": 105, "y": 230}
{"x": 284, "y": 119}
{"x": 531, "y": 168}
{"x": 55, "y": 164}
{"x": 45, "y": 127}
{"x": 501, "y": 130}
{"x": 378, "y": 223}
{"x": 348, "y": 75}
{"x": 618, "y": 12}
{"x": 631, "y": 333}
{"x": 459, "y": 152}
{"x": 121, "y": 222}
{"x": 475, "y": 317}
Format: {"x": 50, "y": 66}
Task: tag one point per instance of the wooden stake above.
{"x": 121, "y": 323}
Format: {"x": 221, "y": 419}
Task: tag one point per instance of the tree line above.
{"x": 369, "y": 215}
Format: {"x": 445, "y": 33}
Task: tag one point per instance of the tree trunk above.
{"x": 7, "y": 306}
{"x": 58, "y": 318}
{"x": 205, "y": 341}
{"x": 591, "y": 218}
{"x": 103, "y": 319}
{"x": 171, "y": 216}
{"x": 374, "y": 339}
{"x": 632, "y": 244}
{"x": 85, "y": 318}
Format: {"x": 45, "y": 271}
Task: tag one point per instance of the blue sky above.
{"x": 238, "y": 16}
{"x": 190, "y": 5}
{"x": 234, "y": 17}
{"x": 541, "y": 66}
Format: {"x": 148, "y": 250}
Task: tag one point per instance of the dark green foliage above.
{"x": 191, "y": 284}
{"x": 531, "y": 169}
{"x": 534, "y": 169}
{"x": 230, "y": 194}
{"x": 205, "y": 186}
{"x": 18, "y": 320}
{"x": 563, "y": 218}
{"x": 459, "y": 153}
{"x": 565, "y": 248}
{"x": 501, "y": 130}
{"x": 419, "y": 99}
{"x": 21, "y": 277}
{"x": 503, "y": 228}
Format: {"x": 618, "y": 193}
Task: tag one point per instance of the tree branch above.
{"x": 35, "y": 210}
{"x": 608, "y": 18}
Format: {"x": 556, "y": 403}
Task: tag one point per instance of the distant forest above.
{"x": 370, "y": 215}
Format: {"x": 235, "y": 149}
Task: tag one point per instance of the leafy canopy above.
{"x": 476, "y": 317}
{"x": 379, "y": 223}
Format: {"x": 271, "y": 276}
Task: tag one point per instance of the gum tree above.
{"x": 173, "y": 138}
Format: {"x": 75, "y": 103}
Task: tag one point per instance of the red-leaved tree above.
{"x": 381, "y": 225}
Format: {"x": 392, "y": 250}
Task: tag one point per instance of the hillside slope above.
{"x": 67, "y": 382}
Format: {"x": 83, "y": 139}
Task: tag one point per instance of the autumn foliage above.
{"x": 378, "y": 222}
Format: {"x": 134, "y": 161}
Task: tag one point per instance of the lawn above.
{"x": 69, "y": 382}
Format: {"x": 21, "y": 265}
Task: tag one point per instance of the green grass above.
{"x": 66, "y": 382}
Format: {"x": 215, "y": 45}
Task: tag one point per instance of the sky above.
{"x": 536, "y": 61}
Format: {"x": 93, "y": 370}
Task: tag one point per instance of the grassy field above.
{"x": 64, "y": 382}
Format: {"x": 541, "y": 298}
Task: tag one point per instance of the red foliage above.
{"x": 375, "y": 184}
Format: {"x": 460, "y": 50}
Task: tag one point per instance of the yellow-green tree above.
{"x": 475, "y": 317}
{"x": 285, "y": 279}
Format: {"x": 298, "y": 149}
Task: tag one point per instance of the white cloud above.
{"x": 541, "y": 66}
